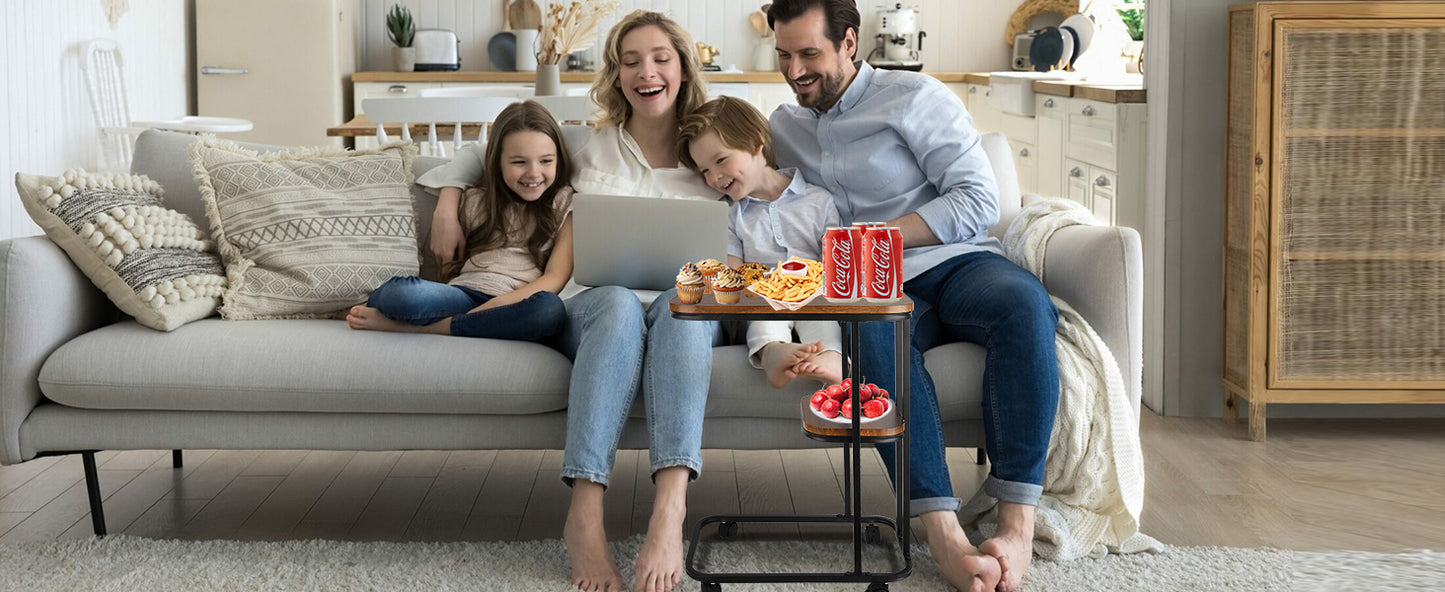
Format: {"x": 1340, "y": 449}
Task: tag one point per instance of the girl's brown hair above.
{"x": 492, "y": 212}
{"x": 737, "y": 122}
{"x": 606, "y": 93}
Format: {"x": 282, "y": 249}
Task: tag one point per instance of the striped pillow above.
{"x": 307, "y": 233}
{"x": 154, "y": 263}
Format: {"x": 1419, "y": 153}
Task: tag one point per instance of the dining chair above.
{"x": 433, "y": 110}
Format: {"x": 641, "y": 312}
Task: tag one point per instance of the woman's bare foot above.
{"x": 1013, "y": 544}
{"x": 964, "y": 567}
{"x": 659, "y": 562}
{"x": 366, "y": 318}
{"x": 825, "y": 367}
{"x": 780, "y": 357}
{"x": 592, "y": 567}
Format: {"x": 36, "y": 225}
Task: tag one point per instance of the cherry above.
{"x": 817, "y": 400}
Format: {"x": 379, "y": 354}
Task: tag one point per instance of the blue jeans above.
{"x": 980, "y": 298}
{"x": 413, "y": 300}
{"x": 616, "y": 347}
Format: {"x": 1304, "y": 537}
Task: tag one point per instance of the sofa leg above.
{"x": 92, "y": 487}
{"x": 177, "y": 459}
{"x": 980, "y": 456}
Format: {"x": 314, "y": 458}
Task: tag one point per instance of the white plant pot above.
{"x": 404, "y": 58}
{"x": 526, "y": 49}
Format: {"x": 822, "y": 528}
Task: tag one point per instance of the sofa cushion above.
{"x": 302, "y": 365}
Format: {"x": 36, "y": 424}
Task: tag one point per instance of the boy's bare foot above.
{"x": 659, "y": 561}
{"x": 1013, "y": 544}
{"x": 964, "y": 567}
{"x": 780, "y": 357}
{"x": 825, "y": 367}
{"x": 366, "y": 318}
{"x": 592, "y": 567}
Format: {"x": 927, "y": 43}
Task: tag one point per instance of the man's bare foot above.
{"x": 366, "y": 318}
{"x": 659, "y": 561}
{"x": 1013, "y": 544}
{"x": 586, "y": 540}
{"x": 780, "y": 357}
{"x": 964, "y": 567}
{"x": 825, "y": 367}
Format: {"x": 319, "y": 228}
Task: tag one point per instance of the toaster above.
{"x": 436, "y": 49}
{"x": 1021, "y": 62}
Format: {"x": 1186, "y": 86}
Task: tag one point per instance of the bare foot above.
{"x": 659, "y": 561}
{"x": 964, "y": 567}
{"x": 780, "y": 357}
{"x": 1013, "y": 544}
{"x": 825, "y": 367}
{"x": 586, "y": 540}
{"x": 366, "y": 318}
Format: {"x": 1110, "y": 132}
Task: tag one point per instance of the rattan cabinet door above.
{"x": 1357, "y": 262}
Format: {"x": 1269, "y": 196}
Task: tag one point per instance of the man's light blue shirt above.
{"x": 897, "y": 143}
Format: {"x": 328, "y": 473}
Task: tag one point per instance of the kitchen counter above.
{"x": 1107, "y": 93}
{"x": 588, "y": 76}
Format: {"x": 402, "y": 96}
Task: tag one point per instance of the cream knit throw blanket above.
{"x": 1094, "y": 476}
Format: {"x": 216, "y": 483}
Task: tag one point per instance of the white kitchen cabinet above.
{"x": 1095, "y": 188}
{"x": 1101, "y": 159}
{"x": 386, "y": 90}
{"x": 1026, "y": 164}
{"x": 1049, "y": 120}
{"x": 768, "y": 96}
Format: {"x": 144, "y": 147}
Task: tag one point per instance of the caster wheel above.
{"x": 878, "y": 587}
{"x": 872, "y": 535}
{"x": 711, "y": 587}
{"x": 727, "y": 530}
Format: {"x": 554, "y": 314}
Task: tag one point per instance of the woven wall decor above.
{"x": 1019, "y": 21}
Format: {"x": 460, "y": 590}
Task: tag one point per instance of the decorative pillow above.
{"x": 307, "y": 233}
{"x": 155, "y": 264}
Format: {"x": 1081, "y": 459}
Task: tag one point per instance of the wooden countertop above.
{"x": 1108, "y": 93}
{"x": 588, "y": 76}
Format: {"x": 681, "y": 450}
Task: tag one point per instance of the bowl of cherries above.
{"x": 835, "y": 404}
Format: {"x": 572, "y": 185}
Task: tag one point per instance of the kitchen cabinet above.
{"x": 1093, "y": 152}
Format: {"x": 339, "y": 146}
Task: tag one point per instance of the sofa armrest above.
{"x": 44, "y": 302}
{"x": 1099, "y": 270}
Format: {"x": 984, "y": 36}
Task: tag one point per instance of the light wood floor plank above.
{"x": 66, "y": 509}
{"x": 230, "y": 508}
{"x": 618, "y": 503}
{"x": 214, "y": 475}
{"x": 497, "y": 513}
{"x": 546, "y": 511}
{"x": 13, "y": 476}
{"x": 347, "y": 496}
{"x": 279, "y": 514}
{"x": 275, "y": 463}
{"x": 134, "y": 460}
{"x": 391, "y": 509}
{"x": 166, "y": 518}
{"x": 443, "y": 513}
{"x": 133, "y": 499}
{"x": 43, "y": 488}
{"x": 8, "y": 520}
{"x": 419, "y": 463}
{"x": 763, "y": 489}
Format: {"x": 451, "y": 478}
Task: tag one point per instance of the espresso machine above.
{"x": 896, "y": 50}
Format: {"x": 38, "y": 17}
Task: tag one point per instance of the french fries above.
{"x": 791, "y": 288}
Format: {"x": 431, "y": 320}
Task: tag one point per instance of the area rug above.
{"x": 121, "y": 563}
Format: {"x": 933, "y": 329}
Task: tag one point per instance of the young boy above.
{"x": 775, "y": 215}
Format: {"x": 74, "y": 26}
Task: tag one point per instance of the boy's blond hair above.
{"x": 737, "y": 122}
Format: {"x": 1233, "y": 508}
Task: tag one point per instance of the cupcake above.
{"x": 752, "y": 272}
{"x": 727, "y": 286}
{"x": 709, "y": 267}
{"x": 689, "y": 284}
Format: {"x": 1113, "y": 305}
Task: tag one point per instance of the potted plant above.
{"x": 565, "y": 29}
{"x": 401, "y": 28}
{"x": 1131, "y": 12}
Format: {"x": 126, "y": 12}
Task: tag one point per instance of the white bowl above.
{"x": 864, "y": 420}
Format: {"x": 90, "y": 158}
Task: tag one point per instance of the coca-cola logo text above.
{"x": 882, "y": 255}
{"x": 843, "y": 263}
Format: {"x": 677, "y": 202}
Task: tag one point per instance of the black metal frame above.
{"x": 92, "y": 482}
{"x": 852, "y": 461}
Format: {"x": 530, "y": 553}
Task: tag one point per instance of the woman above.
{"x": 649, "y": 81}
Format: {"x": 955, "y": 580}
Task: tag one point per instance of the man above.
{"x": 899, "y": 147}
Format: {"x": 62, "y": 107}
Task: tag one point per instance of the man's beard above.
{"x": 829, "y": 89}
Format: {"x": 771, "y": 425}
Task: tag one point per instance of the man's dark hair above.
{"x": 838, "y": 16}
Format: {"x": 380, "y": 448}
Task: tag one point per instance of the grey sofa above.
{"x": 76, "y": 376}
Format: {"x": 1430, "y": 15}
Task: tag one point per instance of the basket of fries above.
{"x": 791, "y": 285}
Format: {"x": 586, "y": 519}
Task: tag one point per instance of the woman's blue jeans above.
{"x": 413, "y": 300}
{"x": 615, "y": 347}
{"x": 980, "y": 298}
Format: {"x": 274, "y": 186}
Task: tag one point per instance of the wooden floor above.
{"x": 1366, "y": 485}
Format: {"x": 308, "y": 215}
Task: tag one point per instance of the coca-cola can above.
{"x": 866, "y": 225}
{"x": 842, "y": 259}
{"x": 882, "y": 263}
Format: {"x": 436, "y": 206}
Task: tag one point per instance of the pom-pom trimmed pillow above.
{"x": 307, "y": 233}
{"x": 154, "y": 263}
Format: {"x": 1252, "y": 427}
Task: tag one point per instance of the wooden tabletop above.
{"x": 361, "y": 126}
{"x": 751, "y": 304}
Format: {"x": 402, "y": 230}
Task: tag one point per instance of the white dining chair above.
{"x": 103, "y": 68}
{"x": 434, "y": 110}
{"x": 570, "y": 109}
{"x": 520, "y": 92}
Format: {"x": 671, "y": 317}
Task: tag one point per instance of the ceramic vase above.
{"x": 404, "y": 58}
{"x": 549, "y": 80}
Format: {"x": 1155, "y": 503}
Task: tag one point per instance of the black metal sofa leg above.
{"x": 177, "y": 459}
{"x": 980, "y": 456}
{"x": 92, "y": 486}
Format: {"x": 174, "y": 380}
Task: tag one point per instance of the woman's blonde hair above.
{"x": 738, "y": 124}
{"x": 605, "y": 90}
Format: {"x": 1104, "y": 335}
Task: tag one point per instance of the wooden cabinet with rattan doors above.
{"x": 1334, "y": 246}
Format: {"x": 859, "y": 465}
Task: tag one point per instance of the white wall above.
{"x": 963, "y": 35}
{"x": 45, "y": 118}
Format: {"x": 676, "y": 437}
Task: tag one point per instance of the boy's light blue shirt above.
{"x": 897, "y": 143}
{"x": 767, "y": 232}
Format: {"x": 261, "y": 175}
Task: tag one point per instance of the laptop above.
{"x": 640, "y": 242}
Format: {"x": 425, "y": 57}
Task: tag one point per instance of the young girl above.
{"x": 775, "y": 215}
{"x": 518, "y": 245}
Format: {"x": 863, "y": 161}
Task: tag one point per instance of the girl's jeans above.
{"x": 413, "y": 300}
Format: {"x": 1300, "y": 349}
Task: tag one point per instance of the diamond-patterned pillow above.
{"x": 154, "y": 263}
{"x": 308, "y": 233}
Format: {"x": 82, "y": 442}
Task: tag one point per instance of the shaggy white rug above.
{"x": 121, "y": 563}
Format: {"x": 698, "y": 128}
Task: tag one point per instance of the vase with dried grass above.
{"x": 567, "y": 28}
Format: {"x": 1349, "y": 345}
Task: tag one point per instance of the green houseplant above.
{"x": 401, "y": 29}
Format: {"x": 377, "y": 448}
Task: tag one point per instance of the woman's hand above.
{"x": 448, "y": 242}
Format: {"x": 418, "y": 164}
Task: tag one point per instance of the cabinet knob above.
{"x": 1089, "y": 110}
{"x": 1048, "y": 102}
{"x": 988, "y": 93}
{"x": 396, "y": 88}
{"x": 1102, "y": 181}
{"x": 1024, "y": 152}
{"x": 973, "y": 90}
{"x": 1076, "y": 172}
